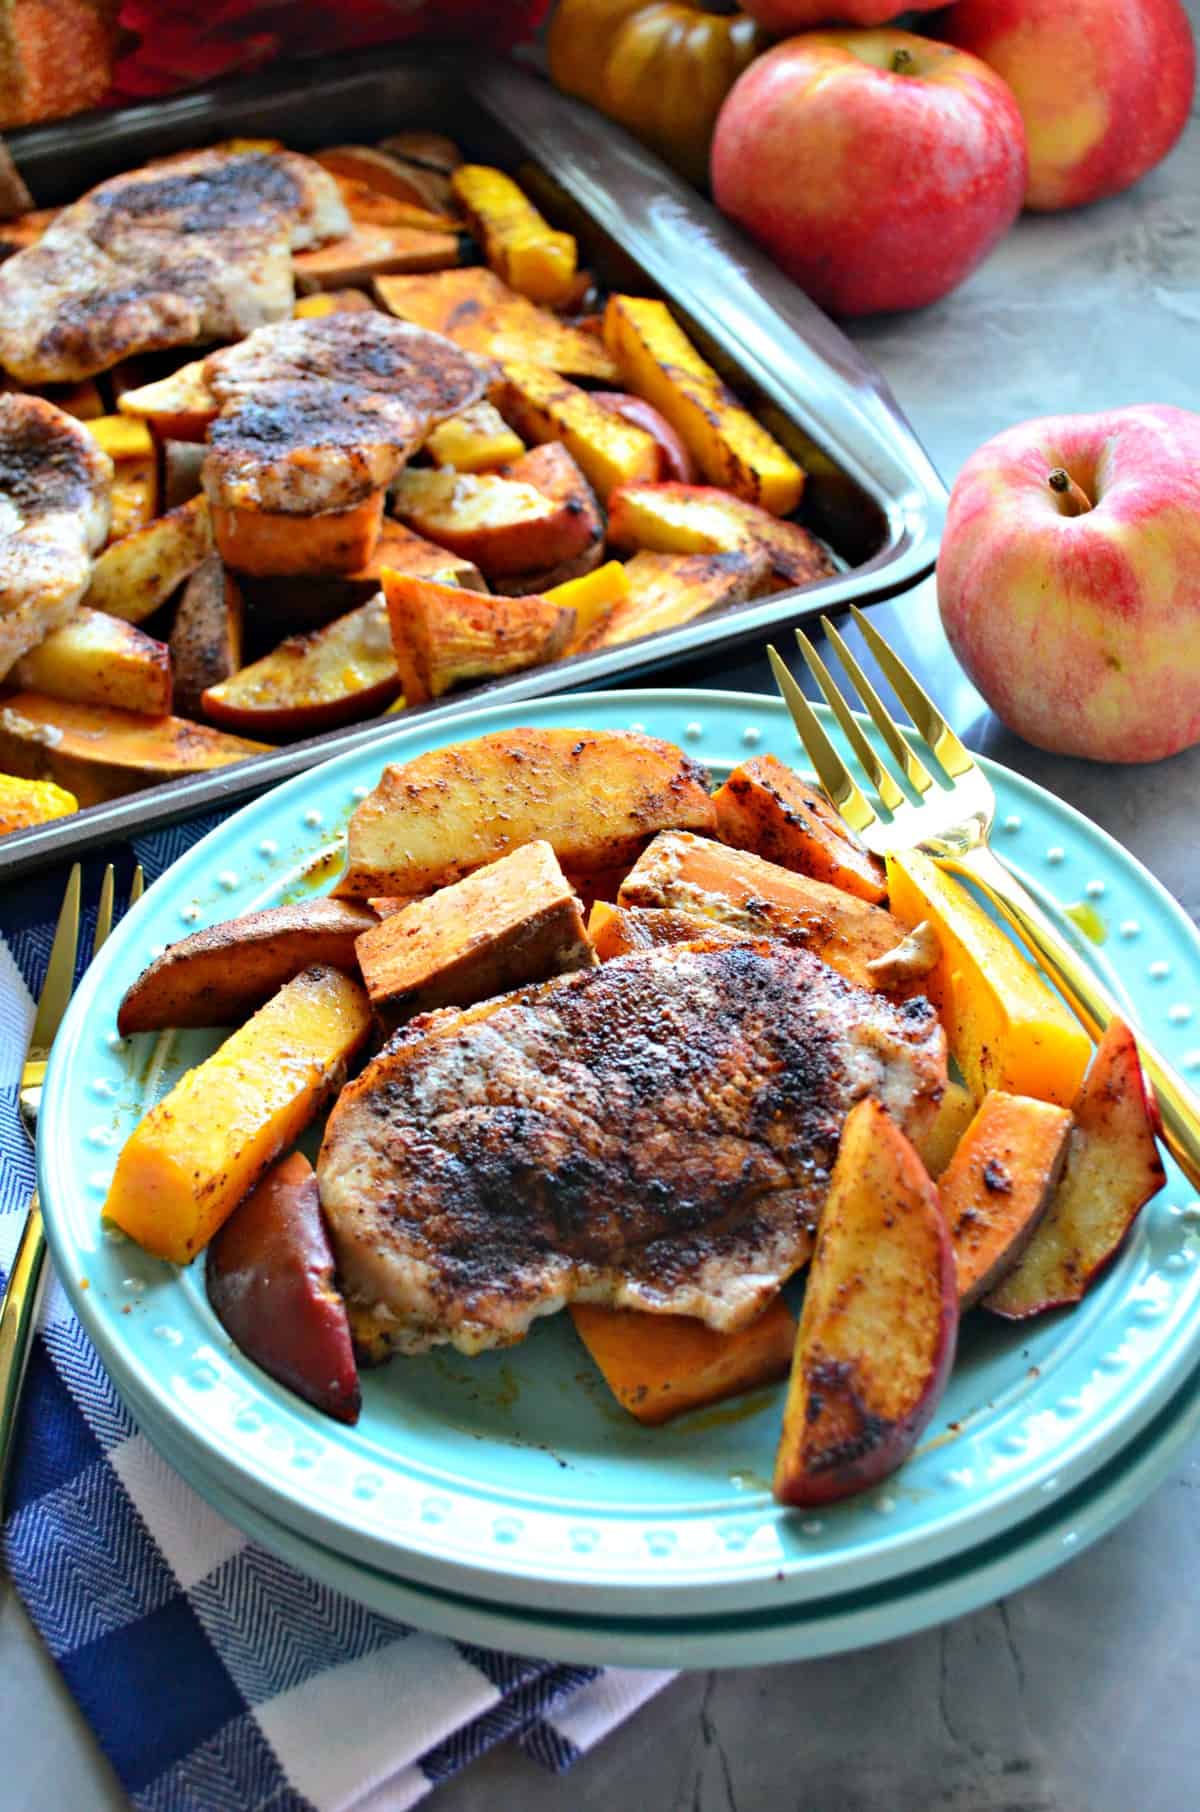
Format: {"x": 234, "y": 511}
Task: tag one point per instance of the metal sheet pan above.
{"x": 872, "y": 495}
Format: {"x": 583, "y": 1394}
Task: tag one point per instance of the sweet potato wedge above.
{"x": 97, "y": 659}
{"x": 478, "y": 439}
{"x": 542, "y": 406}
{"x": 700, "y": 519}
{"x": 265, "y": 542}
{"x": 659, "y": 362}
{"x": 879, "y": 1324}
{"x": 26, "y": 802}
{"x": 517, "y": 920}
{"x": 219, "y": 976}
{"x": 662, "y": 1366}
{"x": 384, "y": 173}
{"x": 594, "y": 796}
{"x": 692, "y": 874}
{"x": 998, "y": 1185}
{"x": 501, "y": 524}
{"x": 518, "y": 244}
{"x": 939, "y": 1142}
{"x": 1007, "y": 1029}
{"x": 207, "y": 634}
{"x": 620, "y": 930}
{"x": 474, "y": 308}
{"x": 284, "y": 604}
{"x": 1112, "y": 1170}
{"x": 370, "y": 251}
{"x": 134, "y": 576}
{"x": 369, "y": 206}
{"x": 336, "y": 675}
{"x": 269, "y": 1276}
{"x": 767, "y": 808}
{"x": 442, "y": 636}
{"x": 666, "y": 590}
{"x": 205, "y": 1145}
{"x": 179, "y": 407}
{"x": 99, "y": 753}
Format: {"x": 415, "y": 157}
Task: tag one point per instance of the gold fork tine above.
{"x": 60, "y": 972}
{"x": 137, "y": 886}
{"x": 832, "y": 772}
{"x": 914, "y": 769}
{"x": 104, "y": 912}
{"x": 954, "y": 758}
{"x": 878, "y": 775}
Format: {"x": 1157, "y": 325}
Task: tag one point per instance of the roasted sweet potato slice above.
{"x": 659, "y": 362}
{"x": 207, "y": 634}
{"x": 202, "y": 1148}
{"x": 370, "y": 206}
{"x": 218, "y": 976}
{"x": 692, "y": 874}
{"x": 474, "y": 308}
{"x": 477, "y": 439}
{"x": 767, "y": 808}
{"x": 443, "y": 637}
{"x": 99, "y": 753}
{"x": 700, "y": 519}
{"x": 269, "y": 1277}
{"x": 370, "y": 251}
{"x": 662, "y": 1366}
{"x": 594, "y": 796}
{"x": 179, "y": 407}
{"x": 134, "y": 576}
{"x": 26, "y": 802}
{"x": 666, "y": 590}
{"x": 263, "y": 542}
{"x": 384, "y": 173}
{"x": 998, "y": 1185}
{"x": 515, "y": 921}
{"x": 502, "y": 524}
{"x": 879, "y": 1324}
{"x": 542, "y": 406}
{"x": 336, "y": 675}
{"x": 518, "y": 244}
{"x": 1112, "y": 1170}
{"x": 97, "y": 659}
{"x": 1007, "y": 1028}
{"x": 620, "y": 930}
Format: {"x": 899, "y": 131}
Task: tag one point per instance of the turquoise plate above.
{"x": 826, "y": 1626}
{"x": 513, "y": 1477}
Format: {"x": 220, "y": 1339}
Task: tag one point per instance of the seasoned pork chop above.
{"x": 54, "y": 503}
{"x": 187, "y": 250}
{"x": 316, "y": 414}
{"x": 656, "y": 1133}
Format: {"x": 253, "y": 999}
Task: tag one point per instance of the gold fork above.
{"x": 952, "y": 824}
{"x": 18, "y": 1310}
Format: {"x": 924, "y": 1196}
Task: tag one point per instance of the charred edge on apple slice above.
{"x": 834, "y": 1378}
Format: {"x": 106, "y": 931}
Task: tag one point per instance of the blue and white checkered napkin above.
{"x": 217, "y": 1678}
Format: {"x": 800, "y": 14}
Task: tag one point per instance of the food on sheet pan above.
{"x": 54, "y": 508}
{"x": 655, "y": 1115}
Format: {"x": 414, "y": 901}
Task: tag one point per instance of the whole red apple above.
{"x": 1069, "y": 581}
{"x": 800, "y": 15}
{"x": 876, "y": 167}
{"x": 1105, "y": 86}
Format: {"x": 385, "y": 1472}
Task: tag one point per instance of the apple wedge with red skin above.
{"x": 879, "y": 1324}
{"x": 674, "y": 460}
{"x": 1113, "y": 1168}
{"x": 269, "y": 1275}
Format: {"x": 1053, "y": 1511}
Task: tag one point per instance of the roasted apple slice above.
{"x": 766, "y": 808}
{"x": 879, "y": 1323}
{"x": 702, "y": 519}
{"x": 674, "y": 460}
{"x": 939, "y": 1142}
{"x": 218, "y": 976}
{"x": 269, "y": 1275}
{"x": 502, "y": 524}
{"x": 336, "y": 675}
{"x": 998, "y": 1185}
{"x": 1112, "y": 1170}
{"x": 98, "y": 659}
{"x": 137, "y": 574}
{"x": 207, "y": 634}
{"x": 666, "y": 590}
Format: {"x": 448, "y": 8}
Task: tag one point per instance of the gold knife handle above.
{"x": 1087, "y": 995}
{"x": 18, "y": 1313}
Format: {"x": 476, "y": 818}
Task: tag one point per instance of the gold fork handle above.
{"x": 1095, "y": 1006}
{"x": 18, "y": 1313}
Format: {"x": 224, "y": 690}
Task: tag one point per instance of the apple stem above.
{"x": 903, "y": 61}
{"x": 1073, "y": 499}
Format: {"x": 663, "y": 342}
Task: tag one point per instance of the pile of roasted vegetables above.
{"x": 609, "y": 486}
{"x": 464, "y": 875}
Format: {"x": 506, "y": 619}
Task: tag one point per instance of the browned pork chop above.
{"x": 316, "y": 414}
{"x": 54, "y": 508}
{"x": 186, "y": 250}
{"x": 656, "y": 1133}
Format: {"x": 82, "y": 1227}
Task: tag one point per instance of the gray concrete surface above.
{"x": 1078, "y": 1694}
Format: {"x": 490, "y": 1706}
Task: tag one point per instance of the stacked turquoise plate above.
{"x": 507, "y": 1497}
